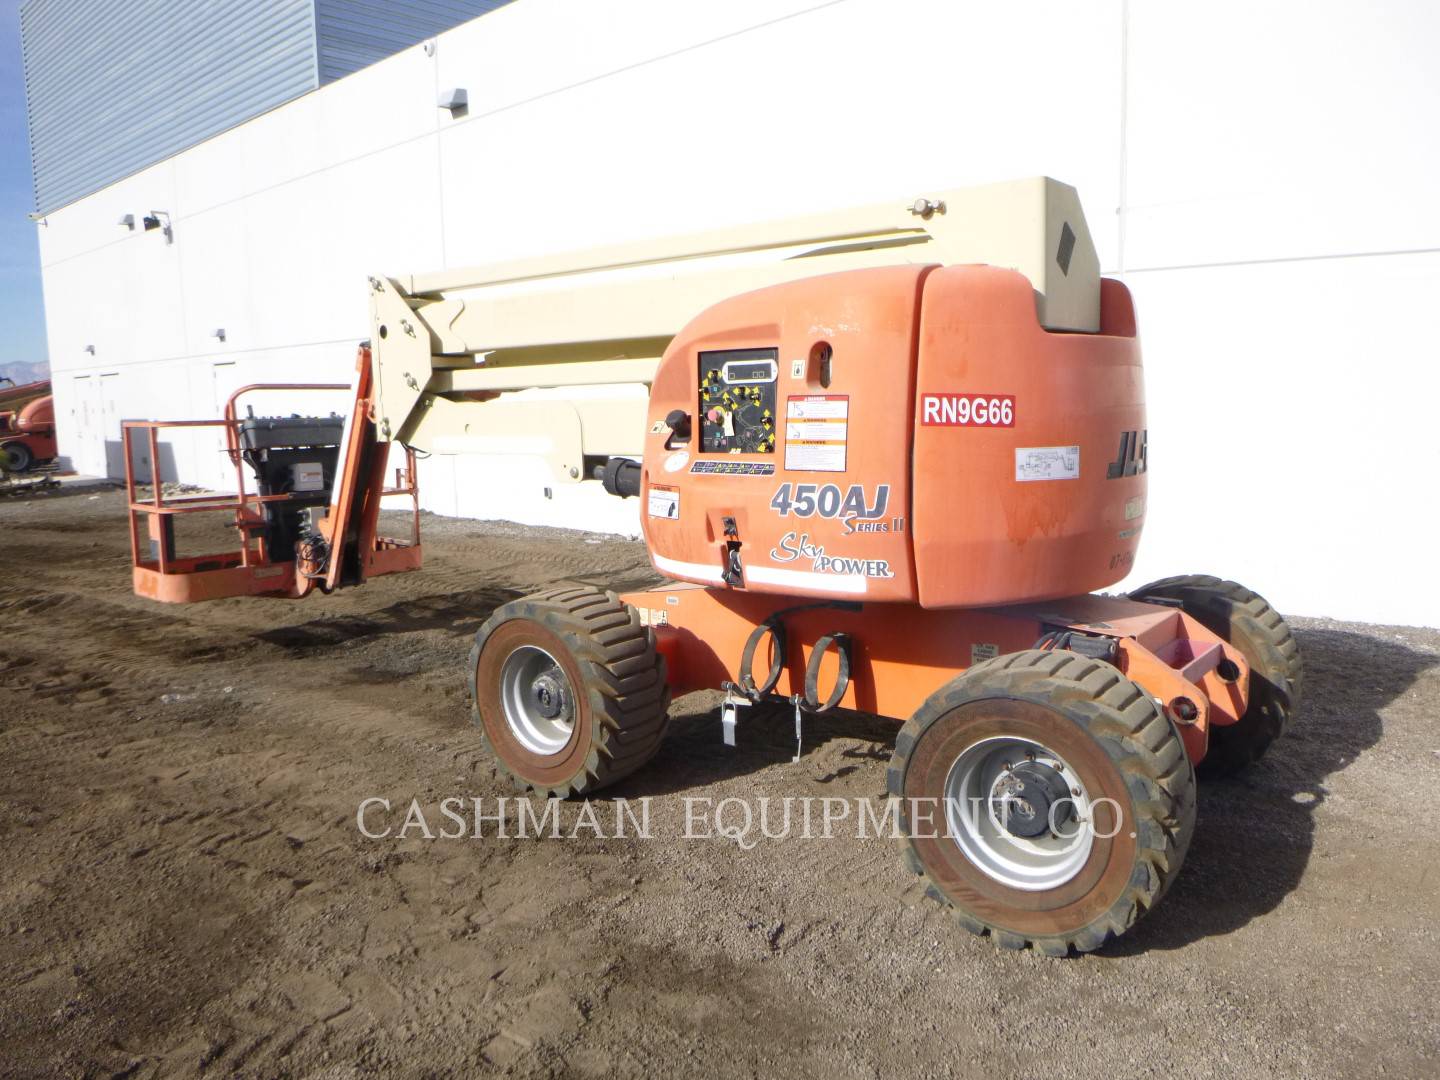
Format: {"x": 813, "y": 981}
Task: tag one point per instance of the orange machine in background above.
{"x": 27, "y": 426}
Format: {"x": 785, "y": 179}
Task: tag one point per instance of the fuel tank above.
{"x": 903, "y": 434}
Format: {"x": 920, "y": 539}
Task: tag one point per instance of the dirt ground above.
{"x": 184, "y": 889}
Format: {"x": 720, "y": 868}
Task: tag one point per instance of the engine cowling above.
{"x": 907, "y": 433}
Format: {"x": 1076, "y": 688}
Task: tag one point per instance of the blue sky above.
{"x": 22, "y": 316}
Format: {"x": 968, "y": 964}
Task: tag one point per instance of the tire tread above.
{"x": 1245, "y": 619}
{"x": 626, "y": 686}
{"x": 1142, "y": 743}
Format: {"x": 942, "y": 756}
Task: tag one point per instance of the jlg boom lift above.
{"x": 885, "y": 456}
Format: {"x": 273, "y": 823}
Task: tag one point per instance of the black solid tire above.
{"x": 1244, "y": 619}
{"x": 20, "y": 456}
{"x": 618, "y": 677}
{"x": 1149, "y": 766}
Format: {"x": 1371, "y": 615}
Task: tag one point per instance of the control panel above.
{"x": 737, "y": 401}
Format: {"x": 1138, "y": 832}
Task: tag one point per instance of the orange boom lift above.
{"x": 890, "y": 488}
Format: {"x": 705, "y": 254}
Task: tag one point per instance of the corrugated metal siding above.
{"x": 115, "y": 85}
{"x": 353, "y": 34}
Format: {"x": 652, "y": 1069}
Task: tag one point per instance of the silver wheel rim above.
{"x": 974, "y": 787}
{"x": 538, "y": 700}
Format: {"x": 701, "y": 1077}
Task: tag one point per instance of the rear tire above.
{"x": 1245, "y": 620}
{"x": 569, "y": 693}
{"x": 19, "y": 455}
{"x": 1102, "y": 737}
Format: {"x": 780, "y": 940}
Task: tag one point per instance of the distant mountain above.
{"x": 23, "y": 372}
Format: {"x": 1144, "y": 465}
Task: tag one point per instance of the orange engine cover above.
{"x": 901, "y": 434}
{"x": 37, "y": 416}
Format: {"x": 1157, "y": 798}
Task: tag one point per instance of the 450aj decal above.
{"x": 827, "y": 501}
{"x": 858, "y": 513}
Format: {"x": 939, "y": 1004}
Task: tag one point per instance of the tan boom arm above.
{"x": 492, "y": 359}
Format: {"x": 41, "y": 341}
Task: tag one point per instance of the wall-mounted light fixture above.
{"x": 218, "y": 335}
{"x": 456, "y": 99}
{"x": 127, "y": 221}
{"x": 153, "y": 220}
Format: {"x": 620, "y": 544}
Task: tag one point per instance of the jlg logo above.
{"x": 1131, "y": 460}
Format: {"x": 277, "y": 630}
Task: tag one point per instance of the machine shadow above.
{"x": 458, "y": 613}
{"x": 1256, "y": 830}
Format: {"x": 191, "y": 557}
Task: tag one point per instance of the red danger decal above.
{"x": 967, "y": 410}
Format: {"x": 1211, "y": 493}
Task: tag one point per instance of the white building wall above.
{"x": 1262, "y": 175}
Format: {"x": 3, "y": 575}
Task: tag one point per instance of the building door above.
{"x": 76, "y": 431}
{"x": 107, "y": 395}
{"x": 86, "y": 441}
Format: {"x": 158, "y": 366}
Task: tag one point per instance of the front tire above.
{"x": 569, "y": 693}
{"x": 1070, "y": 729}
{"x": 1244, "y": 619}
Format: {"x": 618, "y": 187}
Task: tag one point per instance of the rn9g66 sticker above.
{"x": 967, "y": 410}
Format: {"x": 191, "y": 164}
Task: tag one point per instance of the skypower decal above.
{"x": 798, "y": 547}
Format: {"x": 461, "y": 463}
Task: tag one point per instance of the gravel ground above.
{"x": 185, "y": 889}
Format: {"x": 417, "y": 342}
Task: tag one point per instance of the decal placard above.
{"x": 817, "y": 430}
{"x": 1047, "y": 463}
{"x": 677, "y": 461}
{"x": 733, "y": 468}
{"x": 664, "y": 502}
{"x": 967, "y": 410}
{"x": 982, "y": 651}
{"x": 797, "y": 547}
{"x": 308, "y": 476}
